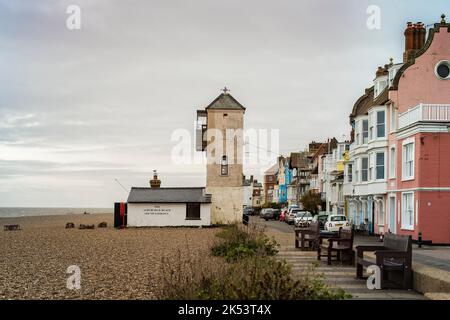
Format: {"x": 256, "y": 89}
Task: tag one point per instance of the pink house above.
{"x": 397, "y": 178}
{"x": 419, "y": 142}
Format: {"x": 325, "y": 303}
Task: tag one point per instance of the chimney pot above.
{"x": 155, "y": 182}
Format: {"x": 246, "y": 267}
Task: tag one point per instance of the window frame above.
{"x": 393, "y": 119}
{"x": 404, "y": 226}
{"x": 442, "y": 62}
{"x": 377, "y": 165}
{"x": 371, "y": 126}
{"x": 350, "y": 172}
{"x": 365, "y": 133}
{"x": 198, "y": 206}
{"x": 381, "y": 213}
{"x": 392, "y": 162}
{"x": 377, "y": 124}
{"x": 405, "y": 144}
{"x": 366, "y": 170}
{"x": 224, "y": 166}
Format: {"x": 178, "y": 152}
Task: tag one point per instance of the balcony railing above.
{"x": 424, "y": 112}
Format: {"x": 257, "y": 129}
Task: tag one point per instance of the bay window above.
{"x": 365, "y": 131}
{"x": 357, "y": 140}
{"x": 364, "y": 169}
{"x": 381, "y": 124}
{"x": 371, "y": 128}
{"x": 380, "y": 165}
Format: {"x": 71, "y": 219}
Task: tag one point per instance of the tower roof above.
{"x": 225, "y": 101}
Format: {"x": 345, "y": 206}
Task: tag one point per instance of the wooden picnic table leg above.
{"x": 302, "y": 241}
{"x": 359, "y": 267}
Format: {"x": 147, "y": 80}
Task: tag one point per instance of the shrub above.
{"x": 240, "y": 242}
{"x": 259, "y": 277}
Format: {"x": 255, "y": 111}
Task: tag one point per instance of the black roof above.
{"x": 168, "y": 195}
{"x": 225, "y": 101}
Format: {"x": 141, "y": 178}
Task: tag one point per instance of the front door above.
{"x": 392, "y": 214}
{"x": 372, "y": 222}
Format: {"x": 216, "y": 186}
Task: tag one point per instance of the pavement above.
{"x": 340, "y": 276}
{"x": 432, "y": 256}
{"x": 431, "y": 267}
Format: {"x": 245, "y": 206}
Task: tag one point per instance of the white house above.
{"x": 161, "y": 207}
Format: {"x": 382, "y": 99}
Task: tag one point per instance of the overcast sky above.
{"x": 80, "y": 108}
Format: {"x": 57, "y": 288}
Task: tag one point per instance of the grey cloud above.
{"x": 114, "y": 91}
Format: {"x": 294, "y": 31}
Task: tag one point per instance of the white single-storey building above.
{"x": 162, "y": 207}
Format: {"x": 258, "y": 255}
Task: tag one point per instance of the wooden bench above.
{"x": 70, "y": 225}
{"x": 86, "y": 226}
{"x": 11, "y": 227}
{"x": 342, "y": 245}
{"x": 309, "y": 236}
{"x": 393, "y": 257}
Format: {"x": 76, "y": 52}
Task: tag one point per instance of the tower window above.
{"x": 224, "y": 166}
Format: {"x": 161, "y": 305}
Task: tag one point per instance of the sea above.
{"x": 28, "y": 212}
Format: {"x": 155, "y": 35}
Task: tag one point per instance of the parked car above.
{"x": 269, "y": 213}
{"x": 336, "y": 221}
{"x": 322, "y": 218}
{"x": 249, "y": 211}
{"x": 303, "y": 219}
{"x": 291, "y": 215}
{"x": 261, "y": 213}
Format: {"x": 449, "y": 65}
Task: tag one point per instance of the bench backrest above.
{"x": 347, "y": 234}
{"x": 397, "y": 242}
{"x": 314, "y": 226}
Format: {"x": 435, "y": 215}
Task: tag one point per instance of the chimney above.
{"x": 409, "y": 41}
{"x": 414, "y": 39}
{"x": 421, "y": 32}
{"x": 155, "y": 182}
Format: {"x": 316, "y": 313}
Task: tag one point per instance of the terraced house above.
{"x": 284, "y": 178}
{"x": 397, "y": 177}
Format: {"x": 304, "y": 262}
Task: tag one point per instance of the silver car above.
{"x": 291, "y": 215}
{"x": 303, "y": 219}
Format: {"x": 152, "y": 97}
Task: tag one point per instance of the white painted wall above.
{"x": 248, "y": 195}
{"x": 165, "y": 214}
{"x": 227, "y": 204}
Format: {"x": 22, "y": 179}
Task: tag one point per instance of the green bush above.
{"x": 259, "y": 277}
{"x": 265, "y": 278}
{"x": 242, "y": 242}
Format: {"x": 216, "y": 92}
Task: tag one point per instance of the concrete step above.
{"x": 437, "y": 296}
